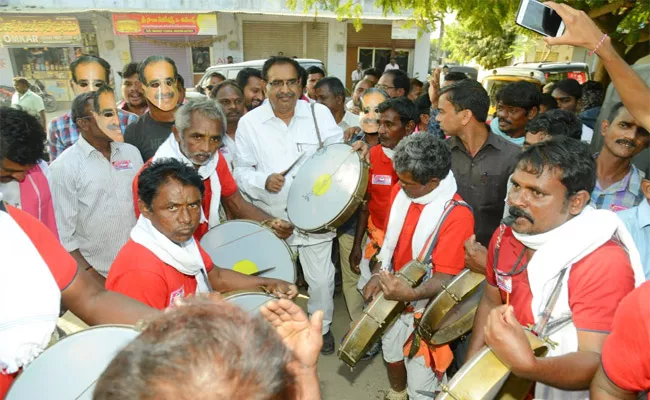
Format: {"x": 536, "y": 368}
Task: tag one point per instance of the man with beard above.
{"x": 88, "y": 74}
{"x": 618, "y": 184}
{"x": 354, "y": 105}
{"x": 423, "y": 205}
{"x": 269, "y": 140}
{"x": 195, "y": 140}
{"x": 158, "y": 74}
{"x": 517, "y": 103}
{"x": 330, "y": 92}
{"x": 251, "y": 82}
{"x": 561, "y": 262}
{"x": 231, "y": 98}
{"x": 91, "y": 184}
{"x": 433, "y": 127}
{"x": 132, "y": 93}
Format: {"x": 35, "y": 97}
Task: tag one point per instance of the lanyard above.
{"x": 516, "y": 269}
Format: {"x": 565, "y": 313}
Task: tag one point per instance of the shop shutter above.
{"x": 141, "y": 49}
{"x": 86, "y": 23}
{"x": 265, "y": 39}
{"x": 317, "y": 33}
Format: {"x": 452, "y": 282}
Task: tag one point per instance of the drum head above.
{"x": 71, "y": 367}
{"x": 248, "y": 247}
{"x": 323, "y": 187}
{"x": 249, "y": 301}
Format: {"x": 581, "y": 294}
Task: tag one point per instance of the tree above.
{"x": 489, "y": 51}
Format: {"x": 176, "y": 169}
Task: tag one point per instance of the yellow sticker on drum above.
{"x": 245, "y": 267}
{"x": 322, "y": 184}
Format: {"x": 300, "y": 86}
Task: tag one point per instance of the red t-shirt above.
{"x": 381, "y": 179}
{"x": 449, "y": 252}
{"x": 139, "y": 274}
{"x": 228, "y": 188}
{"x": 626, "y": 353}
{"x": 61, "y": 264}
{"x": 597, "y": 283}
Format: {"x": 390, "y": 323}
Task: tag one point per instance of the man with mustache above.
{"x": 91, "y": 184}
{"x": 568, "y": 94}
{"x": 618, "y": 184}
{"x": 132, "y": 93}
{"x": 270, "y": 139}
{"x": 162, "y": 261}
{"x": 251, "y": 82}
{"x": 517, "y": 103}
{"x": 88, "y": 74}
{"x": 557, "y": 243}
{"x": 423, "y": 205}
{"x": 314, "y": 74}
{"x": 231, "y": 99}
{"x": 159, "y": 76}
{"x": 330, "y": 92}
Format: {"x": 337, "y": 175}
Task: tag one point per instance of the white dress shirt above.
{"x": 391, "y": 66}
{"x": 266, "y": 145}
{"x": 348, "y": 121}
{"x": 29, "y": 102}
{"x": 228, "y": 150}
{"x": 357, "y": 75}
{"x": 93, "y": 200}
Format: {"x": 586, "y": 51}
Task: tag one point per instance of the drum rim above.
{"x": 238, "y": 293}
{"x": 360, "y": 182}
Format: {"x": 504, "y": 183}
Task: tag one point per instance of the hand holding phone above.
{"x": 539, "y": 18}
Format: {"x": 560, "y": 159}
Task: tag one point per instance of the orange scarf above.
{"x": 438, "y": 358}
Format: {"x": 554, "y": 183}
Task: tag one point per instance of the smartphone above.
{"x": 537, "y": 17}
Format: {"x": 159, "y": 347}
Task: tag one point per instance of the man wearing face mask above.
{"x": 159, "y": 76}
{"x": 88, "y": 74}
{"x": 132, "y": 92}
{"x": 91, "y": 184}
{"x": 557, "y": 243}
{"x": 231, "y": 98}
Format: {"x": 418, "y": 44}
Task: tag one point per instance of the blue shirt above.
{"x": 621, "y": 195}
{"x": 494, "y": 125}
{"x": 637, "y": 221}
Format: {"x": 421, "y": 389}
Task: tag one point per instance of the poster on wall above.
{"x": 165, "y": 24}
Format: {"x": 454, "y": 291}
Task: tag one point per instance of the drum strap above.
{"x": 313, "y": 114}
{"x": 2, "y": 206}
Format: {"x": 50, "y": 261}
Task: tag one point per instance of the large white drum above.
{"x": 70, "y": 368}
{"x": 249, "y": 301}
{"x": 327, "y": 189}
{"x": 249, "y": 248}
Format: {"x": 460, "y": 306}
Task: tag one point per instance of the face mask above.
{"x": 107, "y": 118}
{"x": 368, "y": 116}
{"x": 161, "y": 89}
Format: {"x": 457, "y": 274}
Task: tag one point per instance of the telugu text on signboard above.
{"x": 165, "y": 24}
{"x": 38, "y": 31}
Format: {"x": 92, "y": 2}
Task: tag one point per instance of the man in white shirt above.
{"x": 230, "y": 97}
{"x": 91, "y": 184}
{"x": 270, "y": 139}
{"x": 26, "y": 100}
{"x": 392, "y": 65}
{"x": 314, "y": 74}
{"x": 330, "y": 92}
{"x": 357, "y": 74}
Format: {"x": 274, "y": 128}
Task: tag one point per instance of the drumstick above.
{"x": 302, "y": 296}
{"x": 507, "y": 299}
{"x": 286, "y": 171}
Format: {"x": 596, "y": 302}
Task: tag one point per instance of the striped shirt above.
{"x": 93, "y": 200}
{"x": 621, "y": 195}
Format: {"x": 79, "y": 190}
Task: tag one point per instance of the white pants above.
{"x": 364, "y": 267}
{"x": 418, "y": 376}
{"x": 317, "y": 267}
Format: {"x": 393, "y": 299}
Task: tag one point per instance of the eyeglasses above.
{"x": 384, "y": 87}
{"x": 209, "y": 87}
{"x": 279, "y": 83}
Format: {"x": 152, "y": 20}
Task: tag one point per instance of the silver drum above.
{"x": 249, "y": 301}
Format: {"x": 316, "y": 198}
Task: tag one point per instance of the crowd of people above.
{"x": 110, "y": 229}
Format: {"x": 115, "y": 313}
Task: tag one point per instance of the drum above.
{"x": 249, "y": 301}
{"x": 250, "y": 248}
{"x": 484, "y": 376}
{"x": 70, "y": 368}
{"x": 377, "y": 317}
{"x": 327, "y": 189}
{"x": 451, "y": 313}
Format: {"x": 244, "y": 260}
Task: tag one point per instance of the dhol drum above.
{"x": 484, "y": 376}
{"x": 70, "y": 368}
{"x": 377, "y": 318}
{"x": 451, "y": 313}
{"x": 249, "y": 248}
{"x": 327, "y": 189}
{"x": 249, "y": 301}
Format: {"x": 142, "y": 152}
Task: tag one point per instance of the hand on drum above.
{"x": 475, "y": 255}
{"x": 507, "y": 339}
{"x": 372, "y": 288}
{"x": 282, "y": 229}
{"x": 281, "y": 289}
{"x": 395, "y": 288}
{"x": 363, "y": 149}
{"x": 349, "y": 133}
{"x": 301, "y": 335}
{"x": 274, "y": 183}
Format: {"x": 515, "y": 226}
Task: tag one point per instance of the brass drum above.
{"x": 249, "y": 300}
{"x": 377, "y": 318}
{"x": 327, "y": 189}
{"x": 451, "y": 313}
{"x": 484, "y": 376}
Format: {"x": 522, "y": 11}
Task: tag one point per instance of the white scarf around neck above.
{"x": 435, "y": 203}
{"x": 30, "y": 298}
{"x": 561, "y": 248}
{"x": 171, "y": 149}
{"x": 185, "y": 258}
{"x": 388, "y": 152}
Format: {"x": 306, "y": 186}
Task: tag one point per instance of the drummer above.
{"x": 427, "y": 189}
{"x": 162, "y": 261}
{"x": 555, "y": 228}
{"x": 270, "y": 139}
{"x": 197, "y": 134}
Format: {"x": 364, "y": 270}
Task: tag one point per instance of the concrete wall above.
{"x": 337, "y": 49}
{"x": 230, "y": 25}
{"x": 113, "y": 48}
{"x": 6, "y": 69}
{"x": 421, "y": 57}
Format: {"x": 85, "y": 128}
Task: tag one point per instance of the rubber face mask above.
{"x": 161, "y": 89}
{"x": 369, "y": 117}
{"x": 107, "y": 118}
{"x": 90, "y": 77}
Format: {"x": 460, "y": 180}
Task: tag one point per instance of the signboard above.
{"x": 399, "y": 31}
{"x": 165, "y": 24}
{"x": 39, "y": 31}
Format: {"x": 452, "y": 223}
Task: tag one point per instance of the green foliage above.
{"x": 489, "y": 50}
